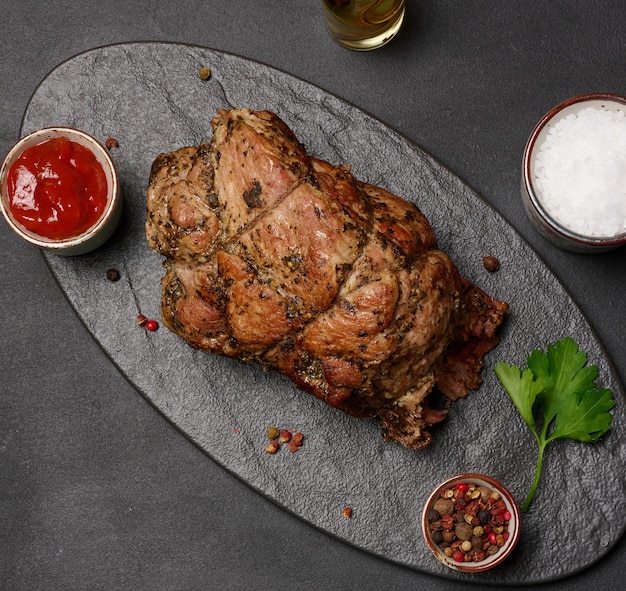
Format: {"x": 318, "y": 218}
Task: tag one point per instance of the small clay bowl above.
{"x": 513, "y": 526}
{"x": 546, "y": 224}
{"x": 102, "y": 229}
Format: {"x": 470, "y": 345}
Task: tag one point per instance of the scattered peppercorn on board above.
{"x": 151, "y": 98}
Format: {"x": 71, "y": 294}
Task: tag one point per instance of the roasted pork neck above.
{"x": 274, "y": 256}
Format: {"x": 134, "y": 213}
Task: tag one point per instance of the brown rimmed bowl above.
{"x": 98, "y": 233}
{"x": 514, "y": 524}
{"x": 546, "y": 225}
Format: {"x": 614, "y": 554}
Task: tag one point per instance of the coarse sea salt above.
{"x": 580, "y": 172}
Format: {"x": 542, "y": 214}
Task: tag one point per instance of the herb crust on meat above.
{"x": 274, "y": 256}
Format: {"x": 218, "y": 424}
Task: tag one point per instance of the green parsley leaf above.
{"x": 522, "y": 388}
{"x": 558, "y": 399}
{"x": 563, "y": 371}
{"x": 584, "y": 418}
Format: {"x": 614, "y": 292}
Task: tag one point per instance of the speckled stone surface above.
{"x": 150, "y": 98}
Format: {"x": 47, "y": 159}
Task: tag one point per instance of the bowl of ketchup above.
{"x": 60, "y": 191}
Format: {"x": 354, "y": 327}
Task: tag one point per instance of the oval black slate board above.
{"x": 150, "y": 98}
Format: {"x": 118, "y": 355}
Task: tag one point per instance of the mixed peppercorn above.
{"x": 491, "y": 263}
{"x": 469, "y": 522}
{"x": 278, "y": 437}
{"x": 148, "y": 324}
{"x": 204, "y": 73}
{"x": 111, "y": 142}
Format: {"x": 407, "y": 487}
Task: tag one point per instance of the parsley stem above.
{"x": 533, "y": 487}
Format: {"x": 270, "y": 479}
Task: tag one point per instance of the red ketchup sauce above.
{"x": 57, "y": 189}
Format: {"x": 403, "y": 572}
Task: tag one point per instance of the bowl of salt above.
{"x": 574, "y": 173}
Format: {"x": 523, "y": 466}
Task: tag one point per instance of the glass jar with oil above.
{"x": 363, "y": 24}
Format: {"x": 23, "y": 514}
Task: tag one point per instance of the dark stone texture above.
{"x": 150, "y": 98}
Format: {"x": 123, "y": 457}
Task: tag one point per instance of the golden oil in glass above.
{"x": 363, "y": 24}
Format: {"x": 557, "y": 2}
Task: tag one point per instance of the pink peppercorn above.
{"x": 458, "y": 555}
{"x": 152, "y": 325}
{"x": 485, "y": 517}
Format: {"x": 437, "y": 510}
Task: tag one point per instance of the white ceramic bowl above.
{"x": 513, "y": 525}
{"x": 98, "y": 233}
{"x": 548, "y": 227}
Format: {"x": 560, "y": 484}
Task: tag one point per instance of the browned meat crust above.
{"x": 277, "y": 257}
